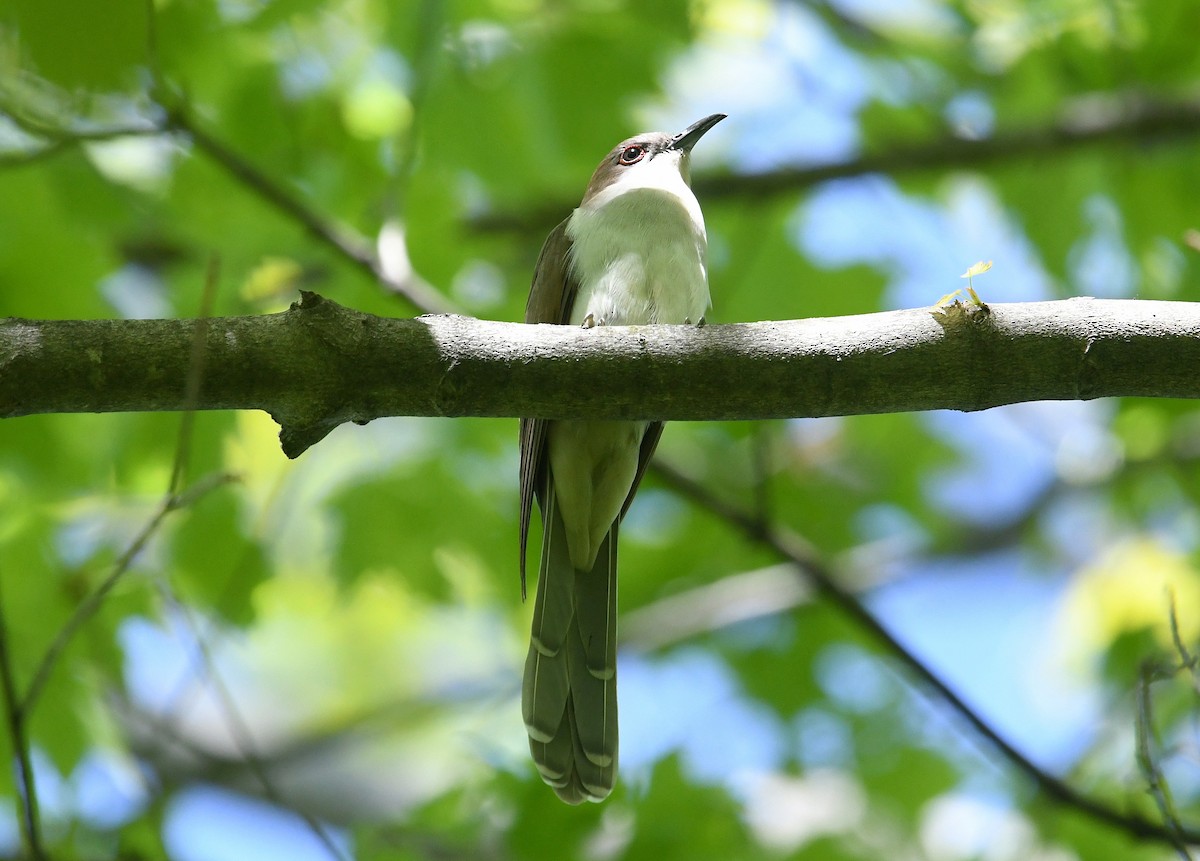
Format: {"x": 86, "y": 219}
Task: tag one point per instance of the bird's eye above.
{"x": 632, "y": 154}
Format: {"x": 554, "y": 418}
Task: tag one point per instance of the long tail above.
{"x": 569, "y": 695}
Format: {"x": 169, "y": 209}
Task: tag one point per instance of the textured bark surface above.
{"x": 319, "y": 364}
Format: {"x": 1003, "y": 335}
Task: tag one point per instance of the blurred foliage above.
{"x": 348, "y": 625}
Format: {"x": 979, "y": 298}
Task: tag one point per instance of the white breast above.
{"x": 639, "y": 249}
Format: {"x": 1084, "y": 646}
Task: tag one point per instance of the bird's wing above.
{"x": 550, "y": 299}
{"x": 649, "y": 444}
{"x": 553, "y": 290}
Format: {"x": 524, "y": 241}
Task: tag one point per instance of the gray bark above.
{"x": 319, "y": 364}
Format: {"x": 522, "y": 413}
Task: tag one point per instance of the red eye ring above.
{"x": 632, "y": 154}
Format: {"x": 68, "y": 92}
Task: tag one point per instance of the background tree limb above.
{"x": 1087, "y": 121}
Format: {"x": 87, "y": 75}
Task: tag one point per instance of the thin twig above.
{"x": 1156, "y": 784}
{"x": 92, "y": 602}
{"x": 240, "y": 730}
{"x": 1187, "y": 659}
{"x": 173, "y": 500}
{"x": 40, "y": 127}
{"x": 800, "y": 553}
{"x": 30, "y": 821}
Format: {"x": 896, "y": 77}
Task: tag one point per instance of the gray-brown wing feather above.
{"x": 550, "y": 298}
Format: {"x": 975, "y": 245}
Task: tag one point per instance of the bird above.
{"x": 633, "y": 252}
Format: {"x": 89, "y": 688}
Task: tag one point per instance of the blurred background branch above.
{"x": 1131, "y": 120}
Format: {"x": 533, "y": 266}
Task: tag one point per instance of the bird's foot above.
{"x": 589, "y": 322}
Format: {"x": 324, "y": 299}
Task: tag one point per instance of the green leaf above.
{"x": 77, "y": 43}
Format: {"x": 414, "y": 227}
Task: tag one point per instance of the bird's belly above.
{"x": 633, "y": 291}
{"x": 652, "y": 271}
{"x": 593, "y": 464}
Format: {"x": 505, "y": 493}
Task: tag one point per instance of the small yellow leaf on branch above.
{"x": 978, "y": 269}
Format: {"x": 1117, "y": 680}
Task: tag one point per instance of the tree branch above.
{"x": 1089, "y": 121}
{"x": 799, "y": 553}
{"x": 339, "y": 238}
{"x": 319, "y": 364}
{"x": 31, "y": 826}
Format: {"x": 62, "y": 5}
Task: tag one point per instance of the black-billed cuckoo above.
{"x": 632, "y": 253}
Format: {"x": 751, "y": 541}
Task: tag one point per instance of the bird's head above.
{"x": 649, "y": 160}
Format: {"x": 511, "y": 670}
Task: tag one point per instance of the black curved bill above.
{"x": 687, "y": 138}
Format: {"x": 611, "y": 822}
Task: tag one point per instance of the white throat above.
{"x": 639, "y": 249}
